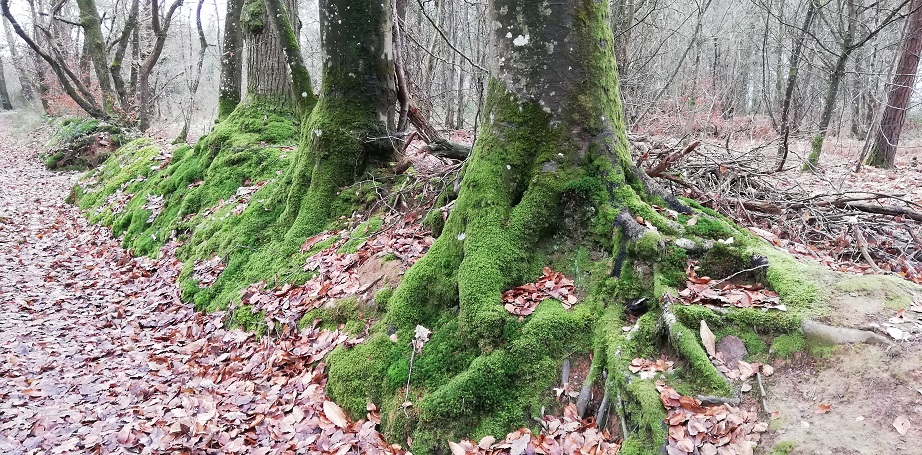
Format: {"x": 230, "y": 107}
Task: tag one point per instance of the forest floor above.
{"x": 98, "y": 355}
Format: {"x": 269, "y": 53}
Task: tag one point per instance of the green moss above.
{"x": 893, "y": 291}
{"x": 787, "y": 345}
{"x": 821, "y": 349}
{"x": 253, "y": 321}
{"x": 360, "y": 234}
{"x": 644, "y": 405}
{"x": 360, "y": 370}
{"x": 783, "y": 448}
{"x": 72, "y": 147}
{"x": 382, "y": 296}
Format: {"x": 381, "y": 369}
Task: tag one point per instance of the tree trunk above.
{"x": 283, "y": 17}
{"x": 25, "y": 79}
{"x": 829, "y": 105}
{"x": 159, "y": 27}
{"x": 267, "y": 71}
{"x": 551, "y": 160}
{"x": 403, "y": 88}
{"x": 231, "y": 61}
{"x": 784, "y": 127}
{"x": 96, "y": 46}
{"x": 351, "y": 124}
{"x": 193, "y": 86}
{"x": 5, "y": 102}
{"x": 883, "y": 154}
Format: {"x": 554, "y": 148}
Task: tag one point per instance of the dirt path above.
{"x": 97, "y": 355}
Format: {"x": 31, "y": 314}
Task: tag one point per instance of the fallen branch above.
{"x": 663, "y": 164}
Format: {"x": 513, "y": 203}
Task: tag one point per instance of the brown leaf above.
{"x": 335, "y": 414}
{"x": 708, "y": 339}
{"x": 456, "y": 448}
{"x": 823, "y": 408}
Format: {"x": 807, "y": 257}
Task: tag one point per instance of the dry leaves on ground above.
{"x": 697, "y": 429}
{"x": 559, "y": 435}
{"x": 523, "y": 300}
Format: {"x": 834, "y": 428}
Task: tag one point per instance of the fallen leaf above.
{"x": 823, "y": 408}
{"x": 335, "y": 414}
{"x": 902, "y": 425}
{"x": 456, "y": 448}
{"x": 708, "y": 339}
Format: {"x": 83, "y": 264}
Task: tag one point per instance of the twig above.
{"x": 753, "y": 269}
{"x": 863, "y": 247}
{"x": 762, "y": 392}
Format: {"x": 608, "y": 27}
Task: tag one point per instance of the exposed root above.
{"x": 839, "y": 335}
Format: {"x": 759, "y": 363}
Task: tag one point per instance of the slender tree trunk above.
{"x": 829, "y": 105}
{"x": 883, "y": 153}
{"x": 231, "y": 61}
{"x": 26, "y": 81}
{"x": 403, "y": 88}
{"x": 115, "y": 68}
{"x": 793, "y": 72}
{"x": 5, "y": 102}
{"x": 193, "y": 86}
{"x": 351, "y": 125}
{"x": 160, "y": 28}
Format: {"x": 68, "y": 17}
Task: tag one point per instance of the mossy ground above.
{"x": 75, "y": 144}
{"x": 533, "y": 194}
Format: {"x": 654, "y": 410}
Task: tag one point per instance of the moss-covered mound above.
{"x": 81, "y": 143}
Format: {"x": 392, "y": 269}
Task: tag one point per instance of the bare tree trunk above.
{"x": 26, "y": 81}
{"x": 403, "y": 89}
{"x": 829, "y": 105}
{"x": 793, "y": 72}
{"x": 193, "y": 87}
{"x": 267, "y": 71}
{"x": 231, "y": 61}
{"x": 5, "y": 102}
{"x": 160, "y": 29}
{"x": 131, "y": 26}
{"x": 883, "y": 154}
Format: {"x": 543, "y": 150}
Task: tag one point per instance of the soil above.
{"x": 868, "y": 386}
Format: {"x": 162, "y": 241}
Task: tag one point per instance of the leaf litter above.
{"x": 101, "y": 356}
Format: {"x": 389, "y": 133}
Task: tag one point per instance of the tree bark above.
{"x": 159, "y": 27}
{"x": 231, "y": 61}
{"x": 92, "y": 31}
{"x": 26, "y": 81}
{"x": 883, "y": 153}
{"x": 784, "y": 127}
{"x": 267, "y": 71}
{"x": 5, "y": 102}
{"x": 283, "y": 17}
{"x": 351, "y": 125}
{"x": 193, "y": 86}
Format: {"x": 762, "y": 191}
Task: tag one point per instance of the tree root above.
{"x": 839, "y": 335}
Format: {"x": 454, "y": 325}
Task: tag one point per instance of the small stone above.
{"x": 733, "y": 349}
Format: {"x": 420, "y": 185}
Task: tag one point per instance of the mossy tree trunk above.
{"x": 551, "y": 165}
{"x": 231, "y": 61}
{"x": 351, "y": 125}
{"x": 553, "y": 146}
